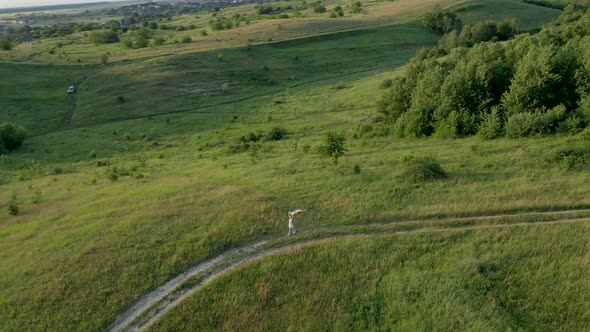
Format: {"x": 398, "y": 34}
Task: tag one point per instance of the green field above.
{"x": 84, "y": 248}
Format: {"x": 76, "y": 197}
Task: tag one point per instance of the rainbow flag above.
{"x": 295, "y": 212}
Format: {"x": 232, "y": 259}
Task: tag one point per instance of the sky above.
{"x": 29, "y": 3}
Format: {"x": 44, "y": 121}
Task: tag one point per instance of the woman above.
{"x": 291, "y": 226}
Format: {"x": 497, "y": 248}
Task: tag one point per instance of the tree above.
{"x": 11, "y": 136}
{"x": 97, "y": 37}
{"x": 441, "y": 21}
{"x": 5, "y": 44}
{"x": 355, "y": 8}
{"x": 319, "y": 9}
{"x": 544, "y": 77}
{"x": 141, "y": 41}
{"x": 333, "y": 146}
{"x": 187, "y": 39}
{"x": 338, "y": 11}
{"x": 153, "y": 25}
{"x": 12, "y": 205}
{"x": 158, "y": 41}
{"x": 104, "y": 59}
{"x": 107, "y": 37}
{"x": 483, "y": 31}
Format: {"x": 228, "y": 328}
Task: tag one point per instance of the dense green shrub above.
{"x": 319, "y": 9}
{"x": 106, "y": 37}
{"x": 355, "y": 7}
{"x": 441, "y": 21}
{"x": 276, "y": 134}
{"x": 5, "y": 44}
{"x": 11, "y": 137}
{"x": 159, "y": 41}
{"x": 521, "y": 125}
{"x": 251, "y": 137}
{"x": 421, "y": 169}
{"x": 571, "y": 157}
{"x": 492, "y": 124}
{"x": 538, "y": 122}
{"x": 356, "y": 169}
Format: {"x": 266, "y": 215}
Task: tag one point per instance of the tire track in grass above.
{"x": 153, "y": 305}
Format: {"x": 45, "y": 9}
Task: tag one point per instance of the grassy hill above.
{"x": 145, "y": 181}
{"x": 483, "y": 280}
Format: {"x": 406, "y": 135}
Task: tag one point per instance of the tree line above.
{"x": 531, "y": 84}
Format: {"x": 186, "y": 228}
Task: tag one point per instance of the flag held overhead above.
{"x": 295, "y": 212}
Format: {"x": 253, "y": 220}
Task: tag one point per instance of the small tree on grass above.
{"x": 11, "y": 137}
{"x": 186, "y": 39}
{"x": 13, "y": 208}
{"x": 333, "y": 146}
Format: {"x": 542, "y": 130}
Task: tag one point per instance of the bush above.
{"x": 441, "y": 21}
{"x": 333, "y": 146}
{"x": 571, "y": 157}
{"x": 186, "y": 39}
{"x": 276, "y": 134}
{"x": 141, "y": 41}
{"x": 585, "y": 134}
{"x": 422, "y": 169}
{"x": 251, "y": 137}
{"x": 491, "y": 125}
{"x": 387, "y": 83}
{"x": 159, "y": 41}
{"x": 11, "y": 136}
{"x": 107, "y": 37}
{"x": 356, "y": 169}
{"x": 12, "y": 206}
{"x": 319, "y": 9}
{"x": 355, "y": 8}
{"x": 539, "y": 122}
{"x": 5, "y": 44}
{"x": 520, "y": 125}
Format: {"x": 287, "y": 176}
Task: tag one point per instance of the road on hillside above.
{"x": 72, "y": 100}
{"x": 153, "y": 305}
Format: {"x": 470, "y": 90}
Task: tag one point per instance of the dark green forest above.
{"x": 531, "y": 84}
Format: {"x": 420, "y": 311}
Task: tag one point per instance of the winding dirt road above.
{"x": 153, "y": 305}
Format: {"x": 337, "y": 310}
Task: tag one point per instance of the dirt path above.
{"x": 153, "y": 305}
{"x": 73, "y": 100}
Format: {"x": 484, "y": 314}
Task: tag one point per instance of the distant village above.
{"x": 26, "y": 28}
